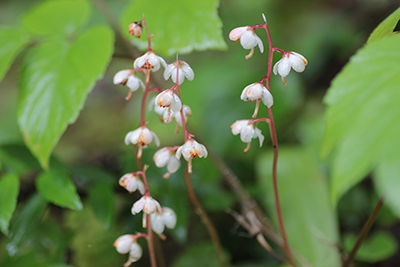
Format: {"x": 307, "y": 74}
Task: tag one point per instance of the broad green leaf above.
{"x": 56, "y": 17}
{"x": 25, "y": 223}
{"x": 9, "y": 189}
{"x": 12, "y": 42}
{"x": 55, "y": 80}
{"x": 363, "y": 113}
{"x": 101, "y": 199}
{"x": 379, "y": 246}
{"x": 199, "y": 255}
{"x": 308, "y": 217}
{"x": 386, "y": 179}
{"x": 178, "y": 26}
{"x": 17, "y": 158}
{"x": 386, "y": 27}
{"x": 57, "y": 187}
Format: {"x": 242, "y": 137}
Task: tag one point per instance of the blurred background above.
{"x": 326, "y": 32}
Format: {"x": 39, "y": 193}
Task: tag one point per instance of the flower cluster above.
{"x": 257, "y": 91}
{"x": 168, "y": 104}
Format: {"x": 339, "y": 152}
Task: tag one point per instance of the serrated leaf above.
{"x": 386, "y": 27}
{"x": 26, "y": 222}
{"x": 310, "y": 225}
{"x": 57, "y": 187}
{"x": 178, "y": 26}
{"x": 12, "y": 42}
{"x": 379, "y": 246}
{"x": 56, "y": 17}
{"x": 55, "y": 80}
{"x": 9, "y": 189}
{"x": 101, "y": 199}
{"x": 363, "y": 113}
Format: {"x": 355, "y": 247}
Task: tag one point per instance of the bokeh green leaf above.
{"x": 12, "y": 42}
{"x": 377, "y": 247}
{"x": 199, "y": 255}
{"x": 386, "y": 27}
{"x": 56, "y": 17}
{"x": 9, "y": 189}
{"x": 308, "y": 216}
{"x": 55, "y": 80}
{"x": 363, "y": 114}
{"x": 178, "y": 26}
{"x": 101, "y": 199}
{"x": 56, "y": 187}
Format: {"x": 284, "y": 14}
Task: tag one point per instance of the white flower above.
{"x": 147, "y": 204}
{"x": 191, "y": 149}
{"x": 184, "y": 71}
{"x": 160, "y": 220}
{"x": 164, "y": 157}
{"x": 123, "y": 243}
{"x": 247, "y": 131}
{"x": 247, "y": 38}
{"x": 187, "y": 112}
{"x": 149, "y": 61}
{"x": 169, "y": 100}
{"x": 257, "y": 91}
{"x": 143, "y": 137}
{"x": 289, "y": 60}
{"x": 131, "y": 183}
{"x": 126, "y": 77}
{"x": 135, "y": 254}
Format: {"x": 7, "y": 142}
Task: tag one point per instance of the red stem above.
{"x": 275, "y": 146}
{"x": 150, "y": 242}
{"x": 144, "y": 100}
{"x": 178, "y": 92}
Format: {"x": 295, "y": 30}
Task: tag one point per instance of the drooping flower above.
{"x": 149, "y": 61}
{"x": 184, "y": 71}
{"x": 126, "y": 77}
{"x": 247, "y": 131}
{"x": 160, "y": 220}
{"x": 187, "y": 112}
{"x": 191, "y": 149}
{"x": 247, "y": 38}
{"x": 135, "y": 253}
{"x": 143, "y": 137}
{"x": 257, "y": 91}
{"x": 289, "y": 60}
{"x": 123, "y": 243}
{"x": 147, "y": 204}
{"x": 165, "y": 156}
{"x": 132, "y": 183}
{"x": 169, "y": 100}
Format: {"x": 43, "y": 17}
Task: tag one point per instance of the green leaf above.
{"x": 13, "y": 40}
{"x": 17, "y": 158}
{"x": 57, "y": 187}
{"x": 55, "y": 80}
{"x": 9, "y": 189}
{"x": 101, "y": 198}
{"x": 178, "y": 26}
{"x": 363, "y": 113}
{"x": 386, "y": 27}
{"x": 25, "y": 223}
{"x": 379, "y": 246}
{"x": 56, "y": 17}
{"x": 308, "y": 217}
{"x": 199, "y": 255}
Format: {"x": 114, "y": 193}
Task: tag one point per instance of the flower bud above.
{"x": 123, "y": 243}
{"x": 136, "y": 29}
{"x": 131, "y": 183}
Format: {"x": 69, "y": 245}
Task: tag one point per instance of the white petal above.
{"x": 138, "y": 206}
{"x": 176, "y": 104}
{"x": 237, "y": 126}
{"x": 123, "y": 243}
{"x": 284, "y": 67}
{"x": 140, "y": 61}
{"x": 121, "y": 76}
{"x": 168, "y": 71}
{"x": 187, "y": 70}
{"x": 133, "y": 82}
{"x": 162, "y": 61}
{"x": 136, "y": 252}
{"x": 169, "y": 217}
{"x": 173, "y": 164}
{"x": 237, "y": 33}
{"x": 275, "y": 69}
{"x": 260, "y": 44}
{"x": 157, "y": 223}
{"x": 156, "y": 140}
{"x": 267, "y": 98}
{"x": 141, "y": 187}
{"x": 258, "y": 134}
{"x": 179, "y": 152}
{"x": 248, "y": 39}
{"x": 247, "y": 133}
{"x": 297, "y": 61}
{"x": 204, "y": 151}
{"x": 161, "y": 157}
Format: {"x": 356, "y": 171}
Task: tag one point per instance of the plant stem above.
{"x": 150, "y": 242}
{"x": 275, "y": 147}
{"x": 206, "y": 220}
{"x": 364, "y": 232}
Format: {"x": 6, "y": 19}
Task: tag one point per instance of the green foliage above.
{"x": 101, "y": 199}
{"x": 385, "y": 28}
{"x": 199, "y": 255}
{"x": 56, "y": 187}
{"x": 362, "y": 113}
{"x": 379, "y": 246}
{"x": 178, "y": 26}
{"x": 9, "y": 189}
{"x": 12, "y": 42}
